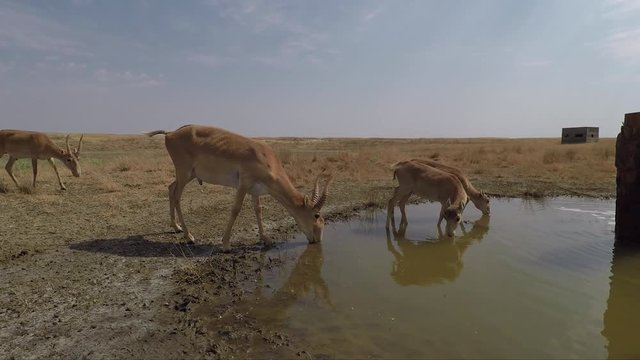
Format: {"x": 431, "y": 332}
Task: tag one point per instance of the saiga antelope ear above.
{"x": 306, "y": 201}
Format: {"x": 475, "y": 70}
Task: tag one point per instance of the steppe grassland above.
{"x": 123, "y": 187}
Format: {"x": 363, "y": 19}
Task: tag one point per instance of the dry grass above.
{"x": 27, "y": 190}
{"x": 512, "y": 167}
{"x": 502, "y": 166}
{"x": 3, "y": 188}
{"x": 124, "y": 178}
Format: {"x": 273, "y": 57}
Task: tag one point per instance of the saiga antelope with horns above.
{"x": 20, "y": 144}
{"x": 221, "y": 157}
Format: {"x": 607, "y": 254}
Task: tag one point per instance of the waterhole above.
{"x": 535, "y": 279}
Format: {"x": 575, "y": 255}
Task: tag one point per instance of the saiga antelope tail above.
{"x": 157, "y": 132}
{"x": 394, "y": 167}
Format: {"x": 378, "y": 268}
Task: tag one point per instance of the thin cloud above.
{"x": 623, "y": 41}
{"x": 294, "y": 41}
{"x": 23, "y": 29}
{"x": 75, "y": 66}
{"x": 256, "y": 14}
{"x": 624, "y": 44}
{"x": 183, "y": 25}
{"x": 372, "y": 14}
{"x": 308, "y": 48}
{"x": 207, "y": 60}
{"x": 53, "y": 65}
{"x": 621, "y": 8}
{"x": 536, "y": 63}
{"x": 128, "y": 78}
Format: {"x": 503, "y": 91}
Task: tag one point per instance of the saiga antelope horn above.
{"x": 79, "y": 145}
{"x": 315, "y": 195}
{"x": 325, "y": 191}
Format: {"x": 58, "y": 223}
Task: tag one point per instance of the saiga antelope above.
{"x": 431, "y": 184}
{"x": 478, "y": 198}
{"x": 20, "y": 144}
{"x": 221, "y": 157}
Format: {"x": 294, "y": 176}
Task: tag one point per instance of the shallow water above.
{"x": 531, "y": 280}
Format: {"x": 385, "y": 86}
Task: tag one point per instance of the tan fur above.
{"x": 221, "y": 157}
{"x": 431, "y": 184}
{"x": 478, "y": 198}
{"x": 21, "y": 144}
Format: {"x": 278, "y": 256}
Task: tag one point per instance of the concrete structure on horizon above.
{"x": 577, "y": 135}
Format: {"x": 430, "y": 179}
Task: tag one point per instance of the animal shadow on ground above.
{"x": 139, "y": 246}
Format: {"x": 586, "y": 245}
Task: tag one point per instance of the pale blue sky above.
{"x": 320, "y": 68}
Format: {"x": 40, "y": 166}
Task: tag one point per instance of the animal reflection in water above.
{"x": 305, "y": 281}
{"x": 431, "y": 262}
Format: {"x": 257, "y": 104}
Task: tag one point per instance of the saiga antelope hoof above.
{"x": 189, "y": 239}
{"x": 266, "y": 241}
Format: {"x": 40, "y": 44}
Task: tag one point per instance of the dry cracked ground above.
{"x": 95, "y": 271}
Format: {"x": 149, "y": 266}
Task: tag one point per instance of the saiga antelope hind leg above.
{"x": 178, "y": 187}
{"x": 9, "y": 168}
{"x": 397, "y": 195}
{"x": 172, "y": 207}
{"x": 390, "y": 209}
{"x": 34, "y": 167}
{"x": 402, "y": 204}
{"x": 258, "y": 210}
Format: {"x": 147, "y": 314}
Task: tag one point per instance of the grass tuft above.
{"x": 28, "y": 190}
{"x": 122, "y": 167}
{"x": 551, "y": 156}
{"x": 535, "y": 193}
{"x": 3, "y": 188}
{"x": 570, "y": 154}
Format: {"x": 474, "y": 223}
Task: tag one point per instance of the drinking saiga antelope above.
{"x": 431, "y": 184}
{"x": 221, "y": 157}
{"x": 20, "y": 144}
{"x": 478, "y": 198}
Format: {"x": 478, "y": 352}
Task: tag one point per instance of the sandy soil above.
{"x": 94, "y": 271}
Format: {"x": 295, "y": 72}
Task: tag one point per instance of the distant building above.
{"x": 575, "y": 135}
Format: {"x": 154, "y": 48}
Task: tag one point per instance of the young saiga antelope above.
{"x": 21, "y": 144}
{"x": 431, "y": 184}
{"x": 478, "y": 198}
{"x": 218, "y": 156}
